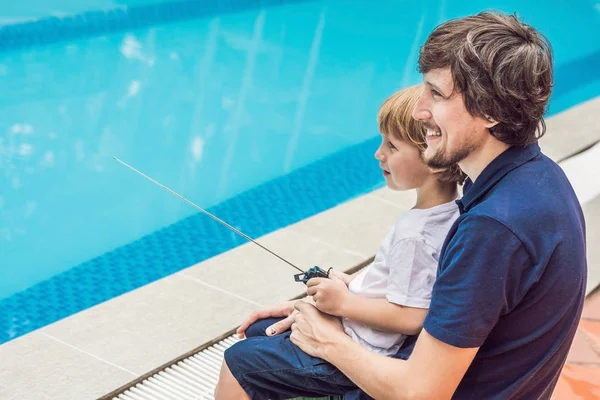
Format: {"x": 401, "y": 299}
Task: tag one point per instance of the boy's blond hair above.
{"x": 395, "y": 120}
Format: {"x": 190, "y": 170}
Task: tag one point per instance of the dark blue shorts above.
{"x": 272, "y": 367}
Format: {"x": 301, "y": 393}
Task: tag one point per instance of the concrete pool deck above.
{"x": 104, "y": 347}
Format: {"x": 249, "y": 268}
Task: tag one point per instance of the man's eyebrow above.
{"x": 436, "y": 88}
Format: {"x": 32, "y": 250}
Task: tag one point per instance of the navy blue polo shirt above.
{"x": 512, "y": 277}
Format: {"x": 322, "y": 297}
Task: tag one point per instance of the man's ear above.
{"x": 490, "y": 122}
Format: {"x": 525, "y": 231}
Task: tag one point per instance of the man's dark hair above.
{"x": 502, "y": 67}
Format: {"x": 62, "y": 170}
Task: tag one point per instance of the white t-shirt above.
{"x": 403, "y": 271}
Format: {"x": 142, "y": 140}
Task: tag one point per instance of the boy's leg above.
{"x": 259, "y": 327}
{"x": 274, "y": 368}
{"x": 228, "y": 387}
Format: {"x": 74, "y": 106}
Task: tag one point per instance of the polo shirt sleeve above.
{"x": 479, "y": 280}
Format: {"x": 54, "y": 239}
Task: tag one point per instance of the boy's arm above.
{"x": 383, "y": 315}
{"x": 412, "y": 269}
{"x": 332, "y": 297}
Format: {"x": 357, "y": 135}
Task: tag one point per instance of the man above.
{"x": 512, "y": 272}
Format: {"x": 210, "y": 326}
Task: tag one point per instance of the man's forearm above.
{"x": 385, "y": 316}
{"x": 434, "y": 370}
{"x": 379, "y": 376}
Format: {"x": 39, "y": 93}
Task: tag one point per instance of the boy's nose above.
{"x": 379, "y": 154}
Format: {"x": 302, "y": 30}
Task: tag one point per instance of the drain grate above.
{"x": 193, "y": 378}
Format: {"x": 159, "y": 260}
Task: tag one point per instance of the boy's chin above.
{"x": 392, "y": 186}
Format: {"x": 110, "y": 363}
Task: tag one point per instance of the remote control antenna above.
{"x": 207, "y": 213}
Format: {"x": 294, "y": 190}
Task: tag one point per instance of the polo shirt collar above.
{"x": 513, "y": 157}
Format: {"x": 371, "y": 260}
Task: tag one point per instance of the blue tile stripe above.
{"x": 256, "y": 212}
{"x": 56, "y": 29}
{"x": 576, "y": 73}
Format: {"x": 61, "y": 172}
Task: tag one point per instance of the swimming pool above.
{"x": 263, "y": 114}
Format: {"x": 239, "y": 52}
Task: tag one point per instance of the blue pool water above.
{"x": 262, "y": 112}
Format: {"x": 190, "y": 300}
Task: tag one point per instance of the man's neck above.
{"x": 476, "y": 162}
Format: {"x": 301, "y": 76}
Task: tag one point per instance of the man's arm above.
{"x": 433, "y": 371}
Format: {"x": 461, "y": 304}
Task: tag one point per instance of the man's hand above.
{"x": 330, "y": 295}
{"x": 313, "y": 331}
{"x": 279, "y": 311}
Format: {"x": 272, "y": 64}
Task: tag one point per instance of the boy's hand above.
{"x": 330, "y": 295}
{"x": 340, "y": 276}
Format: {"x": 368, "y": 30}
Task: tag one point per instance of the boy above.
{"x": 384, "y": 303}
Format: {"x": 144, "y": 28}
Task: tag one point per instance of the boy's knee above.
{"x": 259, "y": 327}
{"x": 239, "y": 353}
{"x": 255, "y": 330}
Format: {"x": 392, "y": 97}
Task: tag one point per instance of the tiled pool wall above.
{"x": 276, "y": 204}
{"x": 53, "y": 29}
{"x": 256, "y": 212}
{"x": 89, "y": 354}
{"x": 577, "y": 72}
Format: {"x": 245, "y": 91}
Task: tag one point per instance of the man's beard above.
{"x": 442, "y": 159}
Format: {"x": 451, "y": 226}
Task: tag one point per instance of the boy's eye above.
{"x": 391, "y": 145}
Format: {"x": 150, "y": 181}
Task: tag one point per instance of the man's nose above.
{"x": 422, "y": 110}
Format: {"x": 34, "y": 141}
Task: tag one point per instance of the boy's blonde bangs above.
{"x": 395, "y": 120}
{"x": 395, "y": 117}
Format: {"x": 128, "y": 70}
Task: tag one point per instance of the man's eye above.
{"x": 436, "y": 93}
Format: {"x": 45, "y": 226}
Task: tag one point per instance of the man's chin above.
{"x": 434, "y": 162}
{"x": 435, "y": 170}
{"x": 438, "y": 162}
